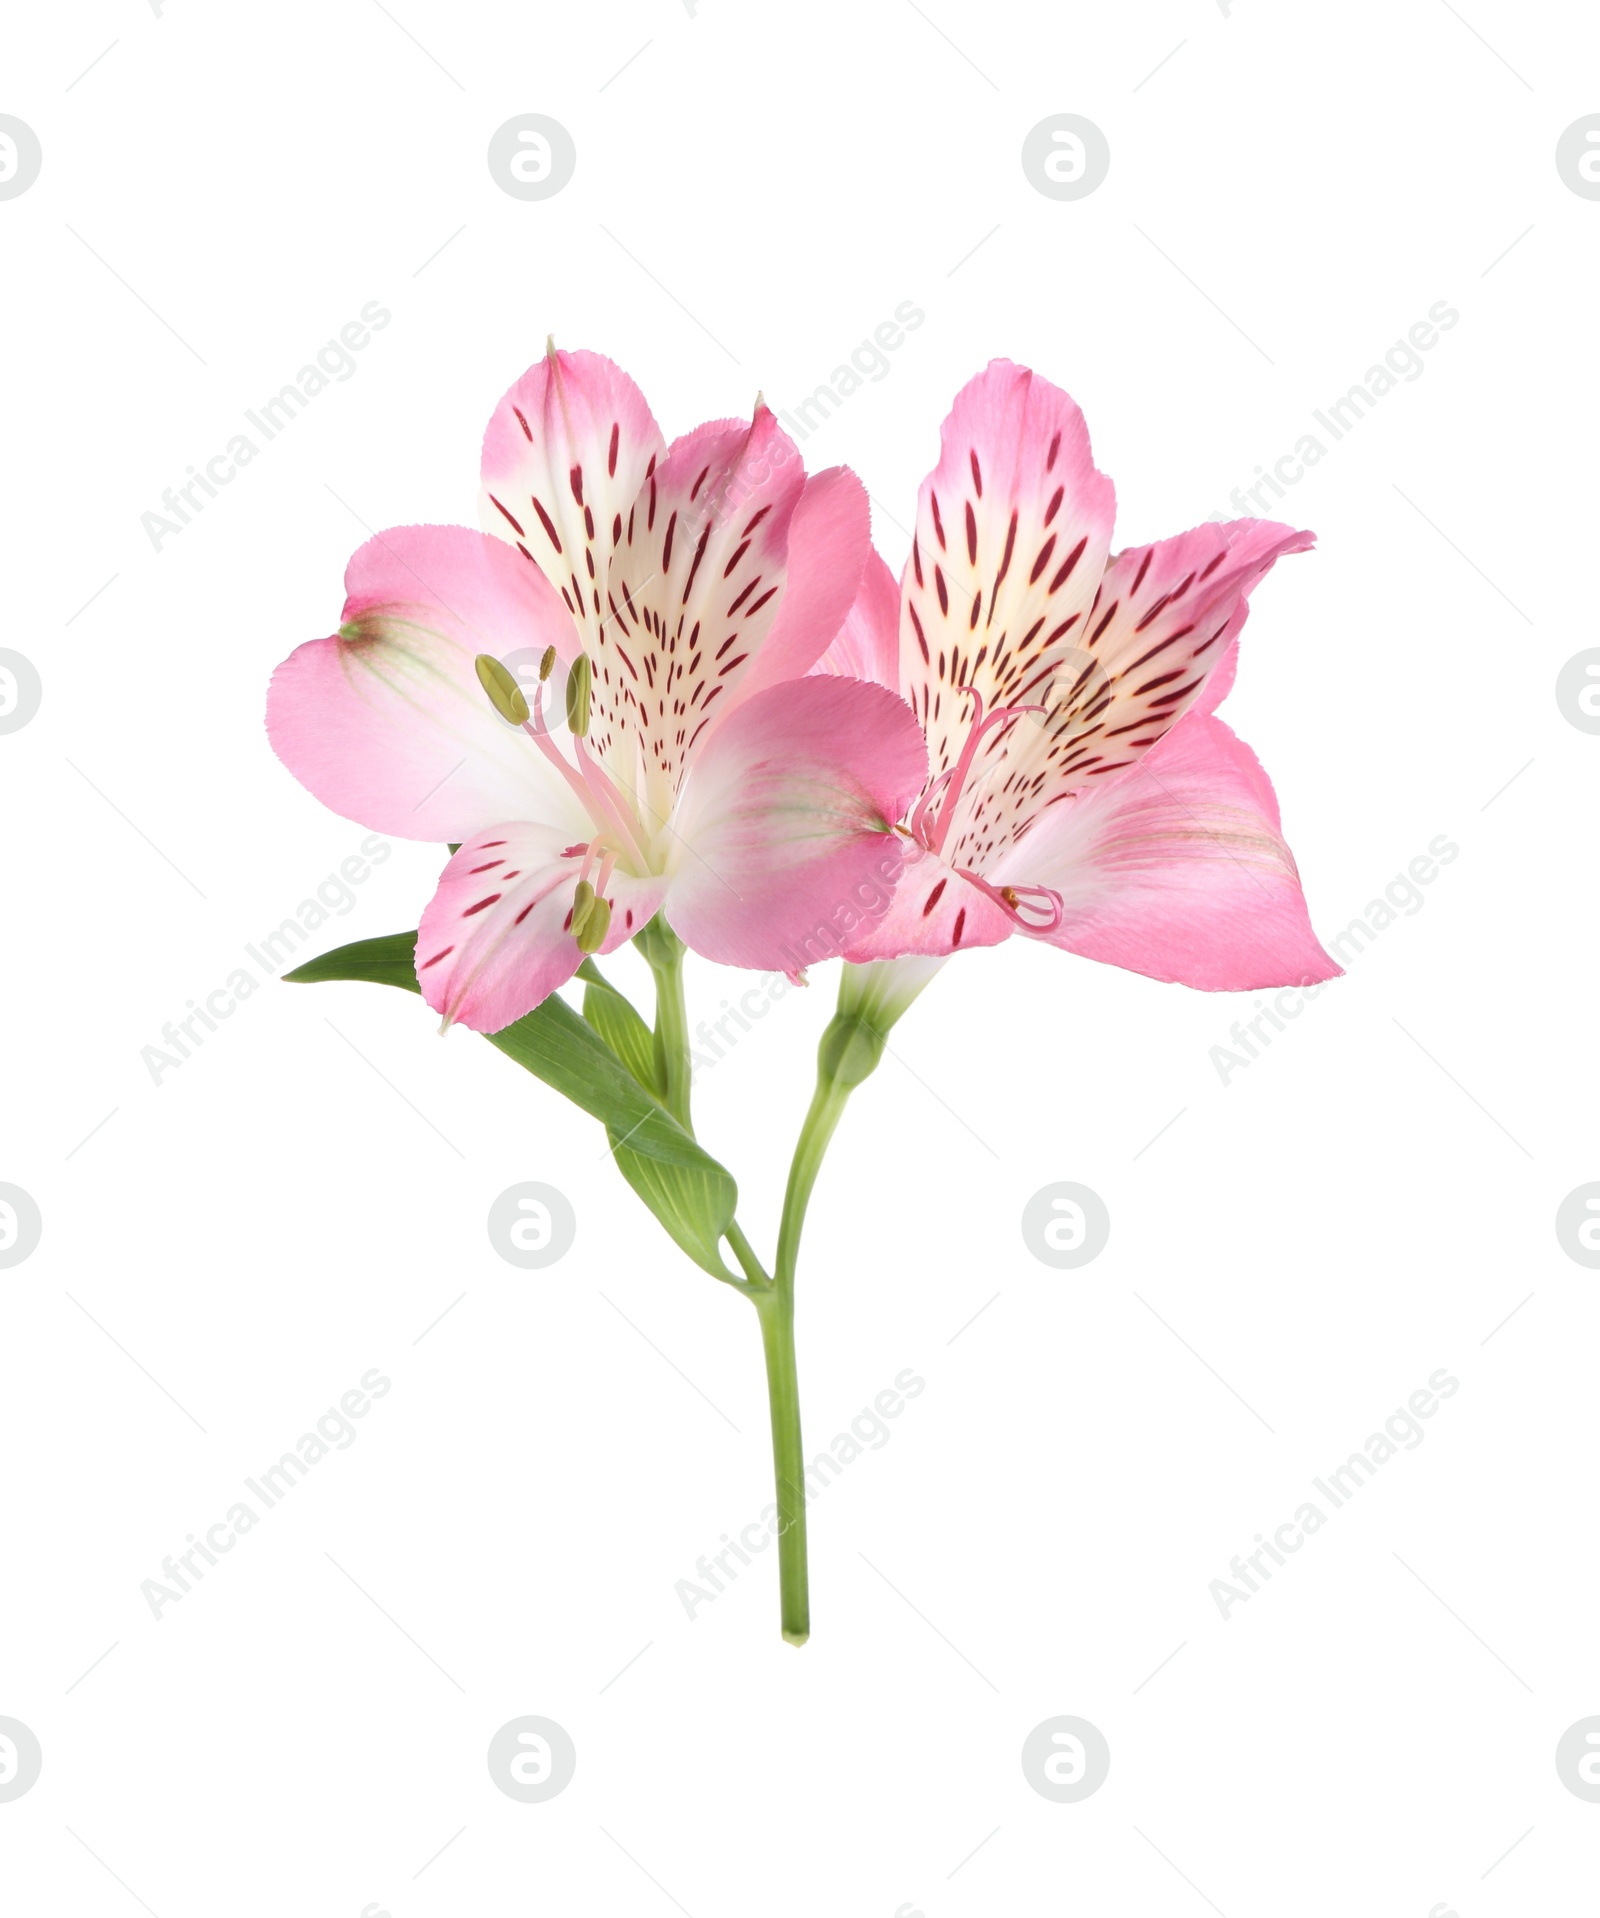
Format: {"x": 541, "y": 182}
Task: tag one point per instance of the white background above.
{"x": 301, "y": 1199}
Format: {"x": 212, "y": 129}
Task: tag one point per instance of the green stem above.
{"x": 848, "y": 1052}
{"x": 827, "y": 1107}
{"x": 775, "y": 1308}
{"x": 744, "y": 1252}
{"x": 850, "y": 1049}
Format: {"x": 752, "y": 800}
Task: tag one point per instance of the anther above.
{"x": 504, "y": 692}
{"x": 580, "y": 681}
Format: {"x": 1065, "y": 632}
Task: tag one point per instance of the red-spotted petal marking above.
{"x": 691, "y": 595}
{"x": 935, "y": 910}
{"x": 1162, "y": 619}
{"x": 1013, "y": 528}
{"x": 564, "y": 457}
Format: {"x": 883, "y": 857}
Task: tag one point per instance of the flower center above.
{"x": 596, "y": 791}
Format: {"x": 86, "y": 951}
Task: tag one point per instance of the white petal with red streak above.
{"x": 692, "y": 596}
{"x": 1163, "y": 622}
{"x": 565, "y": 455}
{"x": 1013, "y": 528}
{"x": 495, "y": 939}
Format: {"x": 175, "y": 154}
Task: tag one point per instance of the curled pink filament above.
{"x": 1020, "y": 904}
{"x": 934, "y": 836}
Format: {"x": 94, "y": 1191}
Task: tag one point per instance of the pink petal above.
{"x": 494, "y": 939}
{"x": 564, "y": 457}
{"x": 692, "y": 595}
{"x": 1178, "y": 869}
{"x": 385, "y": 720}
{"x": 867, "y": 645}
{"x": 934, "y": 911}
{"x": 829, "y": 548}
{"x": 782, "y": 846}
{"x": 1219, "y": 681}
{"x": 1013, "y": 527}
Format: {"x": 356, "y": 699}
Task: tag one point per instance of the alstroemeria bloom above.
{"x": 703, "y": 773}
{"x": 1080, "y": 788}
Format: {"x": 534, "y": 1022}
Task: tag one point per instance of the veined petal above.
{"x": 564, "y": 456}
{"x": 867, "y": 645}
{"x": 691, "y": 598}
{"x": 495, "y": 938}
{"x": 1178, "y": 869}
{"x": 1013, "y": 528}
{"x": 781, "y": 846}
{"x": 386, "y": 722}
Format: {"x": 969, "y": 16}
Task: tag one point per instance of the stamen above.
{"x": 580, "y": 685}
{"x": 919, "y": 819}
{"x": 1017, "y": 901}
{"x": 621, "y": 814}
{"x": 1002, "y": 716}
{"x": 590, "y": 932}
{"x": 505, "y": 695}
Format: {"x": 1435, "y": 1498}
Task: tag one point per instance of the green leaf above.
{"x": 692, "y": 1195}
{"x": 694, "y": 1200}
{"x": 622, "y": 1028}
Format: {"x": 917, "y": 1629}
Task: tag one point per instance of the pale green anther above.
{"x": 504, "y": 692}
{"x": 579, "y": 683}
{"x": 591, "y": 936}
{"x": 582, "y": 900}
{"x": 546, "y": 662}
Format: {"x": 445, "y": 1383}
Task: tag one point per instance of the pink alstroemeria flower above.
{"x": 702, "y": 581}
{"x": 1081, "y": 790}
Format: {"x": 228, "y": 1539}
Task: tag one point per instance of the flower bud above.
{"x": 849, "y": 1051}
